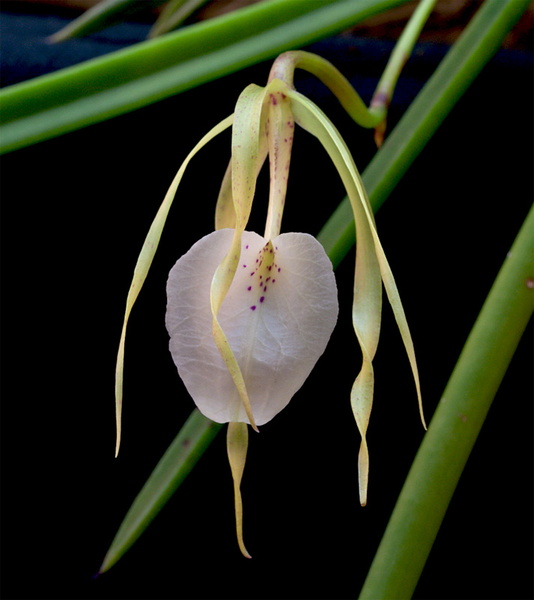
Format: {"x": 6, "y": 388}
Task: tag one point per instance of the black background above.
{"x": 75, "y": 212}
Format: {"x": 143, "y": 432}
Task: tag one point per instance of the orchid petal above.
{"x": 280, "y": 135}
{"x": 278, "y": 315}
{"x": 247, "y": 133}
{"x": 224, "y": 208}
{"x": 225, "y": 215}
{"x": 236, "y": 445}
{"x": 144, "y": 261}
{"x": 371, "y": 265}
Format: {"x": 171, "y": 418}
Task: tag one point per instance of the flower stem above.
{"x": 475, "y": 47}
{"x": 400, "y": 55}
{"x": 284, "y": 66}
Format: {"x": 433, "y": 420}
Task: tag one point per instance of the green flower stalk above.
{"x": 249, "y": 315}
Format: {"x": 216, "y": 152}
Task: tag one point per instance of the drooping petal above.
{"x": 144, "y": 261}
{"x": 275, "y": 136}
{"x": 371, "y": 266}
{"x": 224, "y": 208}
{"x": 236, "y": 446}
{"x": 248, "y": 141}
{"x": 246, "y": 155}
{"x": 280, "y": 130}
{"x": 278, "y": 316}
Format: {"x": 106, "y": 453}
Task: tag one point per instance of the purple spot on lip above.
{"x": 249, "y": 288}
{"x": 265, "y": 289}
{"x": 244, "y": 266}
{"x": 246, "y": 247}
{"x": 262, "y": 298}
{"x": 253, "y": 308}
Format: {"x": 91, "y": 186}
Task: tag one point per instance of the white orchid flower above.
{"x": 249, "y": 315}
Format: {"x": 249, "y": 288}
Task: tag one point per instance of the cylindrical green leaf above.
{"x": 177, "y": 462}
{"x": 123, "y": 81}
{"x": 455, "y": 425}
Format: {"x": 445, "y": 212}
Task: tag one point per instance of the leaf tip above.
{"x": 58, "y": 37}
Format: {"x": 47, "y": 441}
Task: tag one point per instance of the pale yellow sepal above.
{"x": 263, "y": 123}
{"x": 144, "y": 261}
{"x": 248, "y": 153}
{"x": 237, "y": 444}
{"x": 371, "y": 268}
{"x": 224, "y": 209}
{"x": 280, "y": 136}
{"x": 276, "y": 138}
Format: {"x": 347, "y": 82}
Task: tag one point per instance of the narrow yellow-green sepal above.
{"x": 248, "y": 153}
{"x": 221, "y": 341}
{"x": 280, "y": 132}
{"x": 248, "y": 150}
{"x": 361, "y": 402}
{"x": 367, "y": 303}
{"x": 224, "y": 209}
{"x": 144, "y": 261}
{"x": 237, "y": 444}
{"x": 371, "y": 267}
{"x": 400, "y": 317}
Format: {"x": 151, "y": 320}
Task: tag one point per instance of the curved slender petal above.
{"x": 224, "y": 208}
{"x": 145, "y": 260}
{"x": 371, "y": 266}
{"x": 236, "y": 447}
{"x": 248, "y": 134}
{"x": 281, "y": 127}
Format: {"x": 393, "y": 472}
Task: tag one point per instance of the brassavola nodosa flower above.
{"x": 249, "y": 315}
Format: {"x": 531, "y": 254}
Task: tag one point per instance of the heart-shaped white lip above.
{"x": 278, "y": 316}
